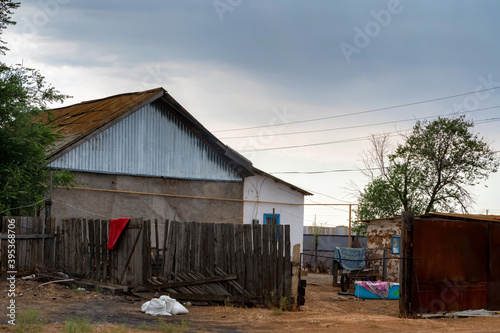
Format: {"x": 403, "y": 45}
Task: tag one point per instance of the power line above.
{"x": 361, "y": 138}
{"x": 352, "y": 127}
{"x": 319, "y": 172}
{"x": 360, "y": 112}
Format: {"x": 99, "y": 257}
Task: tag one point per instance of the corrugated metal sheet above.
{"x": 76, "y": 121}
{"x": 149, "y": 142}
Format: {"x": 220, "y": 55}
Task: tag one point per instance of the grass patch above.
{"x": 78, "y": 292}
{"x": 174, "y": 327}
{"x": 277, "y": 312}
{"x": 77, "y": 325}
{"x": 144, "y": 327}
{"x": 284, "y": 306}
{"x": 29, "y": 321}
{"x": 117, "y": 329}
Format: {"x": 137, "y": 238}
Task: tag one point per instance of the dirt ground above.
{"x": 56, "y": 303}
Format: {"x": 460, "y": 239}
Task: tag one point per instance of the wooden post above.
{"x": 406, "y": 263}
{"x": 295, "y": 276}
{"x": 165, "y": 235}
{"x": 350, "y": 211}
{"x": 157, "y": 252}
{"x": 335, "y": 273}
{"x": 384, "y": 265}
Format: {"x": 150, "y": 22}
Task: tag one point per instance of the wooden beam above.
{"x": 406, "y": 263}
{"x": 217, "y": 298}
{"x": 31, "y": 236}
{"x": 177, "y": 284}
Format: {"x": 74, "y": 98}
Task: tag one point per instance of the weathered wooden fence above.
{"x": 258, "y": 256}
{"x": 81, "y": 251}
{"x": 198, "y": 261}
{"x": 33, "y": 246}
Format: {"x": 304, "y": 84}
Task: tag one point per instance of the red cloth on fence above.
{"x": 116, "y": 227}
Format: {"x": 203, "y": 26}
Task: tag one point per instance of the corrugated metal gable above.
{"x": 149, "y": 142}
{"x": 76, "y": 121}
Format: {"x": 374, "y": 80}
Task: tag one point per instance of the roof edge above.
{"x": 475, "y": 217}
{"x": 292, "y": 187}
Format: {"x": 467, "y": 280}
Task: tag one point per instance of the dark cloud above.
{"x": 329, "y": 56}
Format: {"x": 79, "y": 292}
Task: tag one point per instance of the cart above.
{"x": 350, "y": 264}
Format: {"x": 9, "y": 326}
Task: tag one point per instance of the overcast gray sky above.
{"x": 238, "y": 63}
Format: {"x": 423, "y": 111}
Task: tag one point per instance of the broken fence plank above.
{"x": 216, "y": 298}
{"x": 178, "y": 284}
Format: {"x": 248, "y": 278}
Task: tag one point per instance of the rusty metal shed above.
{"x": 457, "y": 263}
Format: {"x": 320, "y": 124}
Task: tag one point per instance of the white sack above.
{"x": 179, "y": 309}
{"x": 144, "y": 306}
{"x": 157, "y": 307}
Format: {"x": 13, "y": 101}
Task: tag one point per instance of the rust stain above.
{"x": 468, "y": 217}
{"x": 494, "y": 267}
{"x": 451, "y": 271}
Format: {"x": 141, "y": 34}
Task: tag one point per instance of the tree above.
{"x": 24, "y": 137}
{"x": 359, "y": 228}
{"x": 6, "y": 7}
{"x": 433, "y": 170}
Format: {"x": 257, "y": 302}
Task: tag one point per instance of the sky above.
{"x": 254, "y": 71}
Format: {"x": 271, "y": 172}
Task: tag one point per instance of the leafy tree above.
{"x": 6, "y": 7}
{"x": 378, "y": 199}
{"x": 359, "y": 228}
{"x": 24, "y": 137}
{"x": 433, "y": 170}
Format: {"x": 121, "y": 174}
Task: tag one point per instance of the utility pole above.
{"x": 350, "y": 213}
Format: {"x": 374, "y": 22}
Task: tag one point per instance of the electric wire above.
{"x": 361, "y": 112}
{"x": 355, "y": 126}
{"x": 362, "y": 138}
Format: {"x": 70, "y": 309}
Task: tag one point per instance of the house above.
{"x": 263, "y": 193}
{"x": 143, "y": 155}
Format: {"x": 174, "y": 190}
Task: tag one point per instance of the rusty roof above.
{"x": 77, "y": 121}
{"x": 478, "y": 217}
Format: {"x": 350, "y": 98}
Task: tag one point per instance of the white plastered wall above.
{"x": 267, "y": 189}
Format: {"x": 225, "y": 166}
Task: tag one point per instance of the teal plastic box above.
{"x": 367, "y": 294}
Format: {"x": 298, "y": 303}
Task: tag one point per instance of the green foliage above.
{"x": 174, "y": 327}
{"x": 119, "y": 329}
{"x": 77, "y": 325}
{"x": 77, "y": 291}
{"x": 144, "y": 327}
{"x": 29, "y": 321}
{"x": 6, "y": 7}
{"x": 433, "y": 170}
{"x": 359, "y": 228}
{"x": 378, "y": 200}
{"x": 25, "y": 138}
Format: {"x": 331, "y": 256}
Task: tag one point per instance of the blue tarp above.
{"x": 349, "y": 259}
